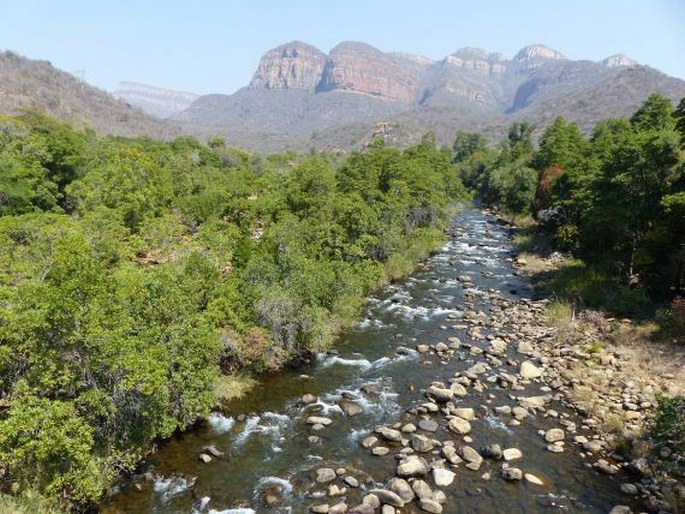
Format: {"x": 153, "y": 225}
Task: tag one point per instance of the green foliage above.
{"x": 134, "y": 272}
{"x": 669, "y": 422}
{"x": 617, "y": 200}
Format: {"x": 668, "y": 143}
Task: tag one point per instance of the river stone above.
{"x": 351, "y": 481}
{"x": 450, "y": 454}
{"x": 443, "y": 477}
{"x": 421, "y": 443}
{"x": 512, "y": 474}
{"x": 533, "y": 402}
{"x": 422, "y": 348}
{"x": 350, "y": 408}
{"x": 388, "y": 497}
{"x": 334, "y": 490}
{"x": 421, "y": 489}
{"x": 309, "y": 399}
{"x": 338, "y": 508}
{"x": 628, "y": 488}
{"x": 324, "y": 475}
{"x": 532, "y": 479}
{"x": 205, "y": 458}
{"x": 458, "y": 389}
{"x": 621, "y": 509}
{"x": 525, "y": 348}
{"x": 380, "y": 451}
{"x": 471, "y": 456}
{"x": 465, "y": 413}
{"x": 368, "y": 442}
{"x": 388, "y": 509}
{"x": 459, "y": 425}
{"x": 440, "y": 394}
{"x": 429, "y": 505}
{"x": 428, "y": 425}
{"x": 498, "y": 346}
{"x": 321, "y": 509}
{"x": 401, "y": 488}
{"x": 554, "y": 434}
{"x": 477, "y": 369}
{"x": 492, "y": 451}
{"x": 519, "y": 412}
{"x": 441, "y": 347}
{"x": 412, "y": 466}
{"x": 372, "y": 501}
{"x": 593, "y": 446}
{"x": 390, "y": 434}
{"x": 409, "y": 428}
{"x": 318, "y": 420}
{"x": 212, "y": 450}
{"x": 362, "y": 509}
{"x": 512, "y": 454}
{"x": 529, "y": 370}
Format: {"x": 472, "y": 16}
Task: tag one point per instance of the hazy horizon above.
{"x": 215, "y": 46}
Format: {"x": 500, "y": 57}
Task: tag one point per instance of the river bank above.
{"x": 450, "y": 396}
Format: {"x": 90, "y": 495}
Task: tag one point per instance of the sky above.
{"x": 214, "y": 46}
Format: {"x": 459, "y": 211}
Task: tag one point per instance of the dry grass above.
{"x": 233, "y": 387}
{"x": 532, "y": 264}
{"x": 646, "y": 359}
{"x": 559, "y": 314}
{"x": 28, "y": 502}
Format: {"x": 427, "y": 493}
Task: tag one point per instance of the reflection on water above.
{"x": 270, "y": 453}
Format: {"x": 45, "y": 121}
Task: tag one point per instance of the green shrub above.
{"x": 669, "y": 422}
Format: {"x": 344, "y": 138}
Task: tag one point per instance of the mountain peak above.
{"x": 616, "y": 60}
{"x": 536, "y": 52}
{"x": 294, "y": 65}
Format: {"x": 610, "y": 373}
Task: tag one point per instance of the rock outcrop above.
{"x": 295, "y": 65}
{"x": 361, "y": 68}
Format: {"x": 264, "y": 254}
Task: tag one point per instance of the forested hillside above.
{"x": 136, "y": 276}
{"x": 616, "y": 200}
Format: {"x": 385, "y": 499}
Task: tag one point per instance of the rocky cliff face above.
{"x": 295, "y": 65}
{"x": 361, "y": 68}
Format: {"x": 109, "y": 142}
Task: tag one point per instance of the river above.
{"x": 270, "y": 454}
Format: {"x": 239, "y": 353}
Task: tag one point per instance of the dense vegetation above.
{"x": 616, "y": 200}
{"x": 136, "y": 275}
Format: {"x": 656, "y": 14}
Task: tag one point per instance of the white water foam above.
{"x": 496, "y": 423}
{"x": 220, "y": 423}
{"x": 334, "y": 359}
{"x": 169, "y": 487}
{"x": 274, "y": 427}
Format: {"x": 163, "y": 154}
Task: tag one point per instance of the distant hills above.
{"x": 300, "y": 97}
{"x": 154, "y": 100}
{"x": 27, "y": 83}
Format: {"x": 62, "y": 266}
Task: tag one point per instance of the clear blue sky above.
{"x": 214, "y": 46}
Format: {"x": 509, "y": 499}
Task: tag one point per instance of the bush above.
{"x": 669, "y": 422}
{"x": 627, "y": 301}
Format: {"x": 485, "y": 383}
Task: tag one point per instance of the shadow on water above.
{"x": 268, "y": 458}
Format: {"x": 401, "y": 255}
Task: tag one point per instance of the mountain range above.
{"x": 301, "y": 97}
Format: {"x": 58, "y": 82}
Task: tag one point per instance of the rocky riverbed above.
{"x": 453, "y": 395}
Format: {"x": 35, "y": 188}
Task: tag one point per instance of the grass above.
{"x": 29, "y": 502}
{"x": 233, "y": 387}
{"x": 417, "y": 247}
{"x": 559, "y": 314}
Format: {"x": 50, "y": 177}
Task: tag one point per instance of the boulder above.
{"x": 412, "y": 466}
{"x": 459, "y": 425}
{"x": 529, "y": 370}
{"x": 387, "y": 497}
{"x": 401, "y": 488}
{"x": 443, "y": 477}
